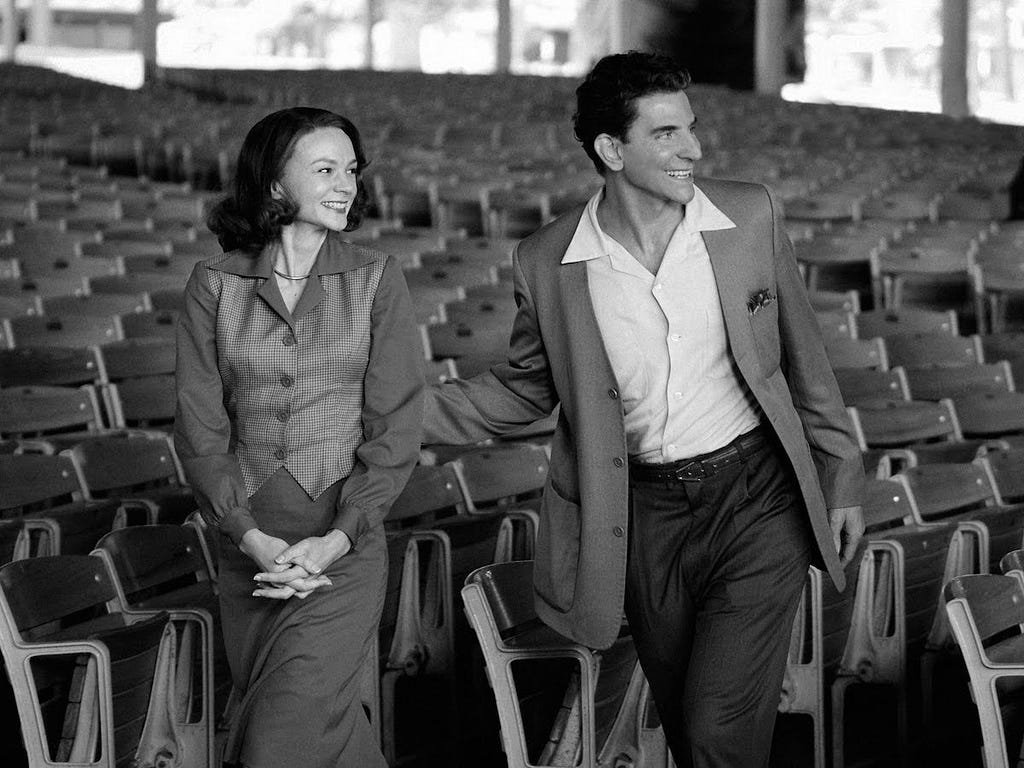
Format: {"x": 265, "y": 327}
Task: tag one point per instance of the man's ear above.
{"x": 609, "y": 149}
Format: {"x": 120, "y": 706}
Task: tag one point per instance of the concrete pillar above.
{"x": 9, "y": 22}
{"x": 40, "y": 23}
{"x": 371, "y": 18}
{"x": 504, "y": 37}
{"x": 770, "y": 46}
{"x": 953, "y": 58}
{"x": 145, "y": 40}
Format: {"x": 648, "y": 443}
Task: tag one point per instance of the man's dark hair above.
{"x": 250, "y": 217}
{"x": 606, "y": 100}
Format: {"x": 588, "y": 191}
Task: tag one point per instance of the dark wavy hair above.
{"x": 250, "y": 217}
{"x": 606, "y": 99}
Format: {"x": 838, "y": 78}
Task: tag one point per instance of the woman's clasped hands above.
{"x": 295, "y": 570}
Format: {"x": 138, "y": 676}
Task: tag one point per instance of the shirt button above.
{"x": 288, "y": 341}
{"x": 617, "y": 461}
{"x": 676, "y": 337}
{"x": 287, "y": 381}
{"x": 679, "y": 395}
{"x": 658, "y": 287}
{"x": 283, "y": 415}
{"x": 617, "y": 530}
{"x": 613, "y": 393}
{"x": 279, "y": 454}
{"x": 671, "y": 447}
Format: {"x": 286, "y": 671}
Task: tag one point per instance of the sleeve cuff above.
{"x": 236, "y": 522}
{"x": 351, "y": 522}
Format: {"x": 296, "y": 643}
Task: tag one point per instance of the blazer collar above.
{"x": 335, "y": 256}
{"x": 590, "y": 241}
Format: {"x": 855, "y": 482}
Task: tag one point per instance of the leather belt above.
{"x": 703, "y": 466}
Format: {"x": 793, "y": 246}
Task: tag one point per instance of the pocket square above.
{"x": 759, "y": 299}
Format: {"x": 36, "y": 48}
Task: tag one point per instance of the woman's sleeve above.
{"x": 392, "y": 410}
{"x": 202, "y": 429}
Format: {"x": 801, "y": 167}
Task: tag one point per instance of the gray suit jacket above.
{"x": 556, "y": 355}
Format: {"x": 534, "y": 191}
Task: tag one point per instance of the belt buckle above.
{"x": 692, "y": 470}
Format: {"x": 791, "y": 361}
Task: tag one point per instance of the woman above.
{"x": 298, "y": 418}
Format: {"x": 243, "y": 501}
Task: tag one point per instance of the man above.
{"x": 702, "y": 457}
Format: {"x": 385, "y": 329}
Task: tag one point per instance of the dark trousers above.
{"x": 715, "y": 573}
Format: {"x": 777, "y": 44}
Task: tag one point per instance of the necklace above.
{"x": 291, "y": 277}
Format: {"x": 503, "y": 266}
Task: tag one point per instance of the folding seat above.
{"x": 471, "y": 311}
{"x": 92, "y": 687}
{"x": 963, "y": 204}
{"x": 439, "y": 371}
{"x": 899, "y": 424}
{"x": 407, "y": 200}
{"x": 985, "y": 613}
{"x": 937, "y": 382}
{"x": 142, "y": 402}
{"x": 517, "y": 212}
{"x": 857, "y": 353}
{"x": 482, "y": 344}
{"x": 45, "y": 492}
{"x": 135, "y": 469}
{"x": 529, "y": 137}
{"x": 66, "y": 330}
{"x": 1006, "y": 468}
{"x": 959, "y": 452}
{"x": 842, "y": 262}
{"x": 121, "y": 246}
{"x": 53, "y": 284}
{"x": 82, "y": 215}
{"x": 991, "y": 414}
{"x": 25, "y": 304}
{"x": 830, "y": 301}
{"x": 13, "y": 541}
{"x": 37, "y": 267}
{"x": 162, "y": 567}
{"x": 9, "y": 268}
{"x": 825, "y": 206}
{"x": 902, "y": 206}
{"x": 481, "y": 256}
{"x": 1000, "y": 283}
{"x": 36, "y": 410}
{"x": 152, "y": 284}
{"x": 428, "y": 301}
{"x": 933, "y": 350}
{"x": 606, "y": 710}
{"x": 154, "y": 324}
{"x": 451, "y": 275}
{"x": 178, "y": 265}
{"x": 462, "y": 205}
{"x": 886, "y": 323}
{"x": 96, "y": 305}
{"x": 55, "y": 366}
{"x": 932, "y": 281}
{"x": 492, "y": 250}
{"x": 837, "y": 325}
{"x": 871, "y": 388}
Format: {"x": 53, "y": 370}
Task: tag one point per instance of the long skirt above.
{"x": 297, "y": 665}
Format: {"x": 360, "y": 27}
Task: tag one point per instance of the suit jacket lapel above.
{"x": 727, "y": 247}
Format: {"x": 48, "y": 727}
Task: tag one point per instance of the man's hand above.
{"x": 279, "y": 581}
{"x": 847, "y": 524}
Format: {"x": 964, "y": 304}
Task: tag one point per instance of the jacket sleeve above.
{"x": 202, "y": 428}
{"x": 503, "y": 399}
{"x": 812, "y": 384}
{"x": 392, "y": 410}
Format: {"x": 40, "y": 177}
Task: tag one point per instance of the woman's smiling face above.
{"x": 320, "y": 177}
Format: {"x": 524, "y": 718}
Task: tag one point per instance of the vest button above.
{"x": 613, "y": 393}
{"x": 283, "y": 415}
{"x": 287, "y": 381}
{"x": 280, "y": 453}
{"x": 288, "y": 341}
{"x": 617, "y": 461}
{"x": 617, "y": 530}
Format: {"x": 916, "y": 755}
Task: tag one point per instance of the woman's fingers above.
{"x": 301, "y": 587}
{"x": 304, "y": 554}
{"x": 282, "y": 577}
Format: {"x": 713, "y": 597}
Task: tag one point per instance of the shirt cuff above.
{"x": 236, "y": 522}
{"x": 351, "y": 522}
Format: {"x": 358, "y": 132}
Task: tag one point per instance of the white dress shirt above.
{"x": 665, "y": 337}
